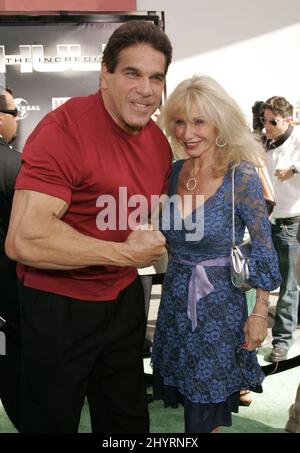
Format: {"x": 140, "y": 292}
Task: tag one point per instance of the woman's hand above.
{"x": 255, "y": 332}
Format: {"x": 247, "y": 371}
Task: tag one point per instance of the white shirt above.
{"x": 287, "y": 193}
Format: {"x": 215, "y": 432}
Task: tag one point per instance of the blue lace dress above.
{"x": 208, "y": 365}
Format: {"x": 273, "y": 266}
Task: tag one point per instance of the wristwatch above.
{"x": 294, "y": 169}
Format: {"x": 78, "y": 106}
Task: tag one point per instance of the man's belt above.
{"x": 287, "y": 220}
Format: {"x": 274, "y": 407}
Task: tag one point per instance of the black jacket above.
{"x": 10, "y": 162}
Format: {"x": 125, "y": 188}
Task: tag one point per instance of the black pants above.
{"x": 73, "y": 349}
{"x": 10, "y": 368}
{"x": 10, "y": 362}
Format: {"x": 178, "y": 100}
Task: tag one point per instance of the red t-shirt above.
{"x": 77, "y": 153}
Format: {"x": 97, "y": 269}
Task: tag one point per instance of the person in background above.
{"x": 83, "y": 310}
{"x": 257, "y": 129}
{"x": 257, "y": 125}
{"x": 282, "y": 143}
{"x": 293, "y": 423}
{"x": 10, "y": 163}
{"x": 204, "y": 345}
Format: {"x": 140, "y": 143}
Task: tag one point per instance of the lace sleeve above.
{"x": 251, "y": 208}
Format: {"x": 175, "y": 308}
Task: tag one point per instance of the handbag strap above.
{"x": 247, "y": 241}
{"x": 232, "y": 204}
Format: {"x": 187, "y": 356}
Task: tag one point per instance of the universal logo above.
{"x": 24, "y": 108}
{"x": 33, "y": 58}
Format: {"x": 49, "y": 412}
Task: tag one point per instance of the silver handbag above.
{"x": 239, "y": 255}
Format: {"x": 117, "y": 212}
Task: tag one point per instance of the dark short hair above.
{"x": 280, "y": 106}
{"x": 257, "y": 113}
{"x": 3, "y": 89}
{"x": 132, "y": 33}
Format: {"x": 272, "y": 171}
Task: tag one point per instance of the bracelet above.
{"x": 263, "y": 300}
{"x": 259, "y": 316}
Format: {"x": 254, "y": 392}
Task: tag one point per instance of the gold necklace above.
{"x": 191, "y": 184}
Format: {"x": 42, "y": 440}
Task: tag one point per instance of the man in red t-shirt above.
{"x": 85, "y": 168}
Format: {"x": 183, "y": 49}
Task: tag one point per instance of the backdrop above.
{"x": 46, "y": 60}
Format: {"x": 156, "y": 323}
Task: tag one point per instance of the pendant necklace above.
{"x": 191, "y": 184}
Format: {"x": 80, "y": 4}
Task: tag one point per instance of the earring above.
{"x": 219, "y": 143}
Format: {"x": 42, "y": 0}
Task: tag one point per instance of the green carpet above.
{"x": 268, "y": 412}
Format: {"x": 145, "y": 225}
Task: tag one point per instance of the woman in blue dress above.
{"x": 204, "y": 345}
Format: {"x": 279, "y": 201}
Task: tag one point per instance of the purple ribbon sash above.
{"x": 199, "y": 285}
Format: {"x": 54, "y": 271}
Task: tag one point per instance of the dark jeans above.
{"x": 72, "y": 349}
{"x": 287, "y": 247}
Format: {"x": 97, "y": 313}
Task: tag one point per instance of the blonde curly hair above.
{"x": 203, "y": 94}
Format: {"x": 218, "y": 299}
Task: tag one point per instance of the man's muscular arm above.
{"x": 38, "y": 237}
